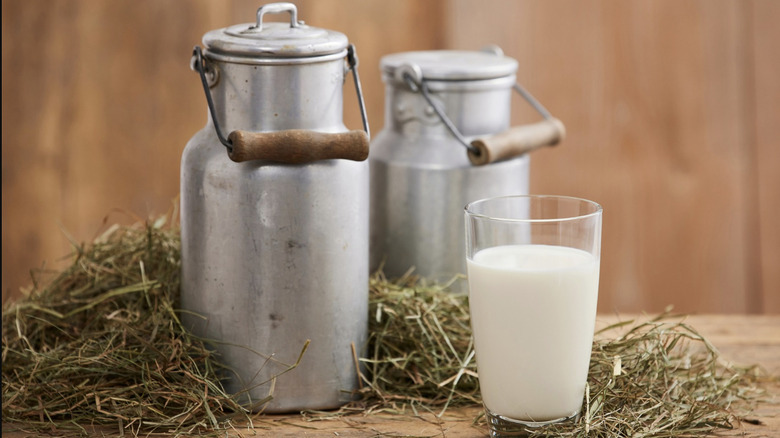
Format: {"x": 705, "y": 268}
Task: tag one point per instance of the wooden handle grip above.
{"x": 298, "y": 146}
{"x": 517, "y": 141}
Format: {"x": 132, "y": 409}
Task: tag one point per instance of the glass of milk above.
{"x": 533, "y": 274}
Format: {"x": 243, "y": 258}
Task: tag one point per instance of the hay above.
{"x": 420, "y": 350}
{"x": 661, "y": 379}
{"x": 101, "y": 344}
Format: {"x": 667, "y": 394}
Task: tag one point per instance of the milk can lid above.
{"x": 452, "y": 64}
{"x": 272, "y": 40}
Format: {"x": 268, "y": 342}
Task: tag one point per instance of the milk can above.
{"x": 447, "y": 141}
{"x": 274, "y": 214}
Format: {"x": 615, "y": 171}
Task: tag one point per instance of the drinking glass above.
{"x": 533, "y": 275}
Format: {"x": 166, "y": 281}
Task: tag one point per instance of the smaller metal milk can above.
{"x": 446, "y": 142}
{"x": 274, "y": 214}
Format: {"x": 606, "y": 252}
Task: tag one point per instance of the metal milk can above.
{"x": 446, "y": 142}
{"x": 274, "y": 215}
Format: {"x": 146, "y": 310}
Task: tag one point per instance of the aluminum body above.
{"x": 421, "y": 178}
{"x": 274, "y": 255}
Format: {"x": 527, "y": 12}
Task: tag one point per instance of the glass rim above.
{"x": 597, "y": 208}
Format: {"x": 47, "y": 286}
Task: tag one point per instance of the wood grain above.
{"x": 99, "y": 93}
{"x": 765, "y": 46}
{"x": 671, "y": 111}
{"x": 296, "y": 146}
{"x": 94, "y": 96}
{"x": 654, "y": 97}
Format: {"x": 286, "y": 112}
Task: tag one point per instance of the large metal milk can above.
{"x": 446, "y": 142}
{"x": 274, "y": 215}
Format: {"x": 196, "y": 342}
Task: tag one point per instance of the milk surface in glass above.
{"x": 532, "y": 312}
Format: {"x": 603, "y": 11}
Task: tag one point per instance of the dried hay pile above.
{"x": 101, "y": 343}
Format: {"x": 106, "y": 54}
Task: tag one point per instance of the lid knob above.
{"x": 271, "y": 42}
{"x": 276, "y": 8}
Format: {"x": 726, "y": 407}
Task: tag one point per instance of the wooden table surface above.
{"x": 741, "y": 339}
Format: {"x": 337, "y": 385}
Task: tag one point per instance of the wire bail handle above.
{"x": 352, "y": 145}
{"x": 508, "y": 144}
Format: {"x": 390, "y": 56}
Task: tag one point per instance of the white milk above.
{"x": 533, "y": 309}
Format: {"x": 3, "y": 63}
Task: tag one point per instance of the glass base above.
{"x": 501, "y": 426}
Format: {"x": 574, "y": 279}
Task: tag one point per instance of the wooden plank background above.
{"x": 672, "y": 111}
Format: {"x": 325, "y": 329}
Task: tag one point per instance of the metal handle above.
{"x": 518, "y": 140}
{"x": 513, "y": 142}
{"x": 291, "y": 146}
{"x": 412, "y": 75}
{"x": 276, "y": 8}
